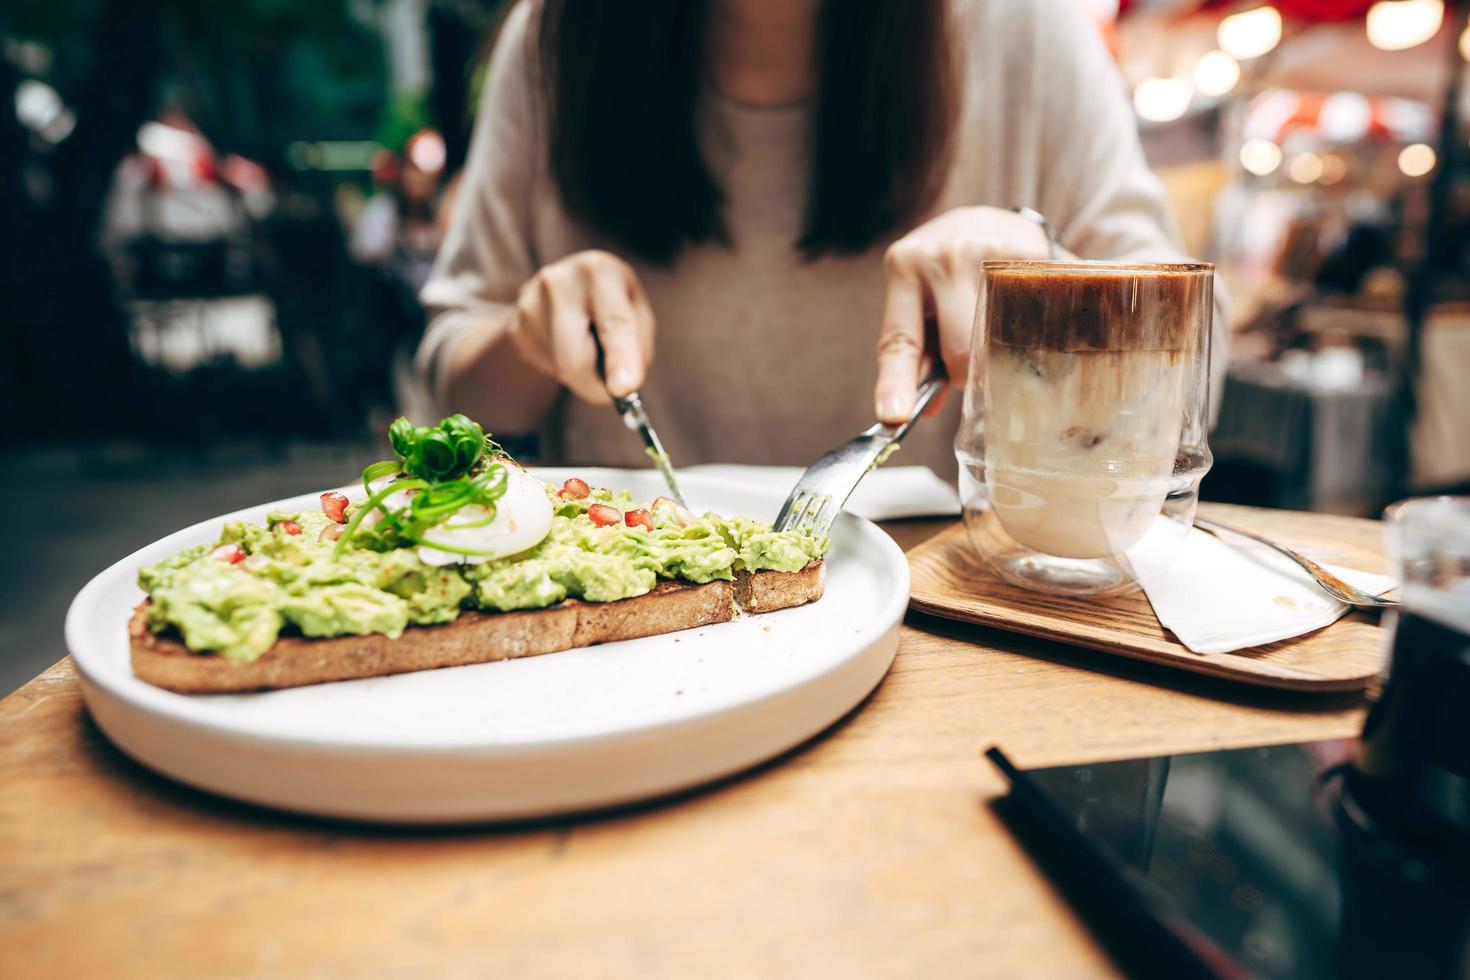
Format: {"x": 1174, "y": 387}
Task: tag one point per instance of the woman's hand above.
{"x": 559, "y": 308}
{"x": 932, "y": 280}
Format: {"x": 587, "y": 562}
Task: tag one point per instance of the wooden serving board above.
{"x": 950, "y": 580}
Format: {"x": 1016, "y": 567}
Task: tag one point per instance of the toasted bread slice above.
{"x": 768, "y": 591}
{"x": 473, "y": 638}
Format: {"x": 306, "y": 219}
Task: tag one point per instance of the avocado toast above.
{"x": 453, "y": 555}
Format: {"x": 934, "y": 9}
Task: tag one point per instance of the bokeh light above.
{"x": 1394, "y": 25}
{"x": 1416, "y": 159}
{"x": 1305, "y": 168}
{"x": 1251, "y": 33}
{"x": 1334, "y": 168}
{"x": 1216, "y": 73}
{"x": 1162, "y": 99}
{"x": 1260, "y": 157}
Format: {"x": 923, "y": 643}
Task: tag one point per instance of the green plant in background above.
{"x": 258, "y": 77}
{"x": 404, "y": 114}
{"x": 253, "y": 75}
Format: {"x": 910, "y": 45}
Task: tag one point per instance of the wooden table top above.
{"x": 871, "y": 851}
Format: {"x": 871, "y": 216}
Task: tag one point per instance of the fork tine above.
{"x": 816, "y": 513}
{"x": 822, "y": 521}
{"x": 809, "y": 505}
{"x": 823, "y": 489}
{"x": 792, "y": 510}
{"x": 783, "y": 517}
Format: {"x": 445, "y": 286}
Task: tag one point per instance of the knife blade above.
{"x": 635, "y": 418}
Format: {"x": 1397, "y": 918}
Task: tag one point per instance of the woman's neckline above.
{"x": 757, "y": 108}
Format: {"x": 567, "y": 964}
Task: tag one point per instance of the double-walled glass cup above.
{"x": 1082, "y": 444}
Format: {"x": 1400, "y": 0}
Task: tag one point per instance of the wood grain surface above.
{"x": 871, "y": 851}
{"x": 951, "y": 580}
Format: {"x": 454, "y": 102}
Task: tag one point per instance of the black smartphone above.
{"x": 1239, "y": 863}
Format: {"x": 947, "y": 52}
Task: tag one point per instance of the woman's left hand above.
{"x": 932, "y": 277}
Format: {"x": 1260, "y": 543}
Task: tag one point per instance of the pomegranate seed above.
{"x": 231, "y": 553}
{"x": 576, "y": 489}
{"x": 604, "y": 516}
{"x": 334, "y": 505}
{"x": 682, "y": 515}
{"x": 289, "y": 526}
{"x": 330, "y": 533}
{"x": 639, "y": 518}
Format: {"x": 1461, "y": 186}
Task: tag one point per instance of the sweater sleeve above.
{"x": 1096, "y": 187}
{"x": 488, "y": 251}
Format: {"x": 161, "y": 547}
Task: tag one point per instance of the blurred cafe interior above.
{"x": 1303, "y": 144}
{"x": 236, "y": 210}
{"x": 216, "y": 221}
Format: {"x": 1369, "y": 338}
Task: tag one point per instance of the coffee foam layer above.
{"x": 1060, "y": 307}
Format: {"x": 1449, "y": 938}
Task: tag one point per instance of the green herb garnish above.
{"x": 446, "y": 468}
{"x": 446, "y": 451}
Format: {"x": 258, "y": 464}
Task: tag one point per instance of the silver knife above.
{"x": 635, "y": 417}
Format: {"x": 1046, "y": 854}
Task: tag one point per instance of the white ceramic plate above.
{"x": 568, "y": 731}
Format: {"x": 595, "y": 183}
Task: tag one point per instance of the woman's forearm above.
{"x": 489, "y": 380}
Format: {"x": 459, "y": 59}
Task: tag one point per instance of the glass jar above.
{"x": 1082, "y": 444}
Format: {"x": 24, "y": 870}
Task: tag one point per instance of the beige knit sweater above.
{"x": 760, "y": 356}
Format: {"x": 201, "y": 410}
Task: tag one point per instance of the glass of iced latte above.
{"x": 1083, "y": 440}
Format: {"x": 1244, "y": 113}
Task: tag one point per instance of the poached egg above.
{"x": 522, "y": 520}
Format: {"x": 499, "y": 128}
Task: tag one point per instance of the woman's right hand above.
{"x": 561, "y": 306}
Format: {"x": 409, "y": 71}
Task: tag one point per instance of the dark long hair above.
{"x": 622, "y": 84}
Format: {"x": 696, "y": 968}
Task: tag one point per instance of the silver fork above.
{"x": 823, "y": 489}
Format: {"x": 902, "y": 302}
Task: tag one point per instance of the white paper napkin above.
{"x": 1218, "y": 597}
{"x": 885, "y": 494}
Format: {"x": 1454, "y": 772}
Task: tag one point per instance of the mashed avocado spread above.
{"x": 236, "y": 596}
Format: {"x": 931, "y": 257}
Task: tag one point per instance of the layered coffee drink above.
{"x": 1085, "y": 387}
{"x": 1083, "y": 414}
{"x": 1086, "y": 380}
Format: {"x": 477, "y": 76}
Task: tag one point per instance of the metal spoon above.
{"x": 1331, "y": 584}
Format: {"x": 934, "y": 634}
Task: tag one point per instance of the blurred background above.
{"x": 214, "y": 219}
